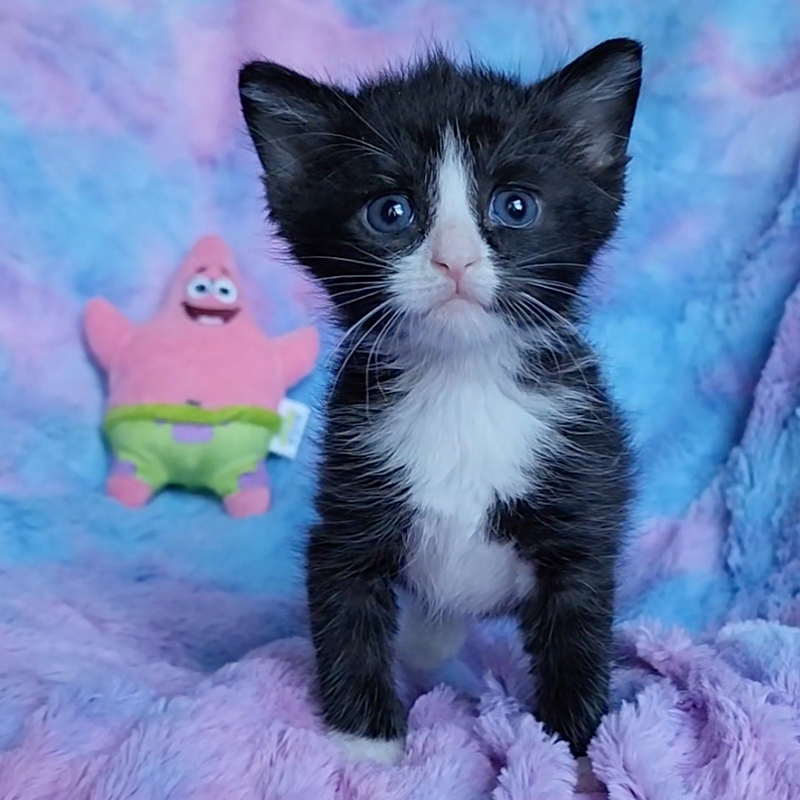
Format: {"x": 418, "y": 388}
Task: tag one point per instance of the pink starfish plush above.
{"x": 194, "y": 392}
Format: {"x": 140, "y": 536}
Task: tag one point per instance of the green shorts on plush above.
{"x": 222, "y": 451}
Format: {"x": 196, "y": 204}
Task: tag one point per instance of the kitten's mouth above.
{"x": 210, "y": 316}
{"x": 460, "y": 297}
{"x": 466, "y": 297}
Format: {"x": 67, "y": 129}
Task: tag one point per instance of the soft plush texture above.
{"x": 195, "y": 392}
{"x": 145, "y": 654}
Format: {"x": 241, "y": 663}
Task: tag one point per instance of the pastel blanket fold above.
{"x": 161, "y": 653}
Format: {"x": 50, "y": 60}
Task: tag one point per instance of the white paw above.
{"x": 362, "y": 748}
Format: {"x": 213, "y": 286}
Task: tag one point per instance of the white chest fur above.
{"x": 465, "y": 435}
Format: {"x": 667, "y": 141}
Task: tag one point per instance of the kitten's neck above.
{"x": 408, "y": 354}
{"x": 394, "y": 357}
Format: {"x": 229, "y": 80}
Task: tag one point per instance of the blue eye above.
{"x": 513, "y": 208}
{"x": 391, "y": 213}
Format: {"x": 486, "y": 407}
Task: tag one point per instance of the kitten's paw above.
{"x": 362, "y": 748}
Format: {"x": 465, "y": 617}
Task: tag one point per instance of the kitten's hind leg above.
{"x": 426, "y": 641}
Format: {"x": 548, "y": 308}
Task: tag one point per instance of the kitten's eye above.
{"x": 514, "y": 208}
{"x": 199, "y": 288}
{"x": 225, "y": 291}
{"x": 391, "y": 213}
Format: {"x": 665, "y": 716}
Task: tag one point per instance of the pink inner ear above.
{"x": 599, "y": 150}
{"x": 595, "y": 97}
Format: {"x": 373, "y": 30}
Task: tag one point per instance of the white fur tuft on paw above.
{"x": 362, "y": 748}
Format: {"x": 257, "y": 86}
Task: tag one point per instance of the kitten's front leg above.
{"x": 566, "y": 626}
{"x": 353, "y": 620}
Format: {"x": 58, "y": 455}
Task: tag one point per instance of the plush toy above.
{"x": 194, "y": 393}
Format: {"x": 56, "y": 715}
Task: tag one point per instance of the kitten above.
{"x": 473, "y": 458}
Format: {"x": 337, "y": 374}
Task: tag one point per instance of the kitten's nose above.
{"x": 453, "y": 269}
{"x": 454, "y": 252}
{"x": 455, "y": 247}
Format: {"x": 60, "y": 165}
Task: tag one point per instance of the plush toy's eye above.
{"x": 225, "y": 291}
{"x": 199, "y": 288}
{"x": 513, "y": 208}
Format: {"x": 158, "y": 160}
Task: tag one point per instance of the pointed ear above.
{"x": 288, "y": 117}
{"x": 595, "y": 97}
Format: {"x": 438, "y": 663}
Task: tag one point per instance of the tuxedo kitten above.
{"x": 472, "y": 459}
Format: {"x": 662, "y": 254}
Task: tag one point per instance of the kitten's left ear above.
{"x": 595, "y": 96}
{"x": 289, "y": 117}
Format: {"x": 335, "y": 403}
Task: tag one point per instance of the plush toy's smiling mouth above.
{"x": 210, "y": 316}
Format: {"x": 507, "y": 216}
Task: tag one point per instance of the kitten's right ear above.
{"x": 596, "y": 95}
{"x": 288, "y": 116}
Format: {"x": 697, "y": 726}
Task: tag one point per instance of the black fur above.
{"x": 326, "y": 152}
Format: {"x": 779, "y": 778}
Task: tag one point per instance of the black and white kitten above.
{"x": 472, "y": 458}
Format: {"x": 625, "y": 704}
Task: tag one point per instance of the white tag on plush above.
{"x": 294, "y": 417}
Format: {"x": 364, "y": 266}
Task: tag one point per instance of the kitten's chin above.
{"x": 460, "y": 322}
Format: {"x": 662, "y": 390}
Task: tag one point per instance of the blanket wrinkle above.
{"x": 163, "y": 654}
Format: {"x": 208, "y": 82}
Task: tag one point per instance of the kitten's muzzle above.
{"x": 455, "y": 271}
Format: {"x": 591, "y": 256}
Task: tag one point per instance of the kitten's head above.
{"x": 447, "y": 201}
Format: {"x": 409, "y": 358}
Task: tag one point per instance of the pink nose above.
{"x": 453, "y": 268}
{"x": 455, "y": 248}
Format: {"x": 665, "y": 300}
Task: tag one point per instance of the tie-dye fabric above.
{"x": 121, "y": 143}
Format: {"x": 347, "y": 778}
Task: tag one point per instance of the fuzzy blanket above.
{"x": 161, "y": 653}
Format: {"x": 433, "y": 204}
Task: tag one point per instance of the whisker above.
{"x": 353, "y": 299}
{"x": 350, "y": 280}
{"x": 531, "y": 317}
{"x": 378, "y": 260}
{"x": 541, "y": 312}
{"x": 349, "y": 332}
{"x": 342, "y": 97}
{"x": 375, "y": 350}
{"x": 350, "y": 142}
{"x": 344, "y": 260}
{"x": 355, "y": 347}
{"x": 550, "y": 264}
{"x": 378, "y": 309}
{"x": 536, "y": 283}
{"x": 547, "y": 310}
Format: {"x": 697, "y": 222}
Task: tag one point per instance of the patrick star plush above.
{"x": 194, "y": 392}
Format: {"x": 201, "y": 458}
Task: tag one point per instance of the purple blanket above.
{"x": 118, "y": 688}
{"x": 161, "y": 654}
